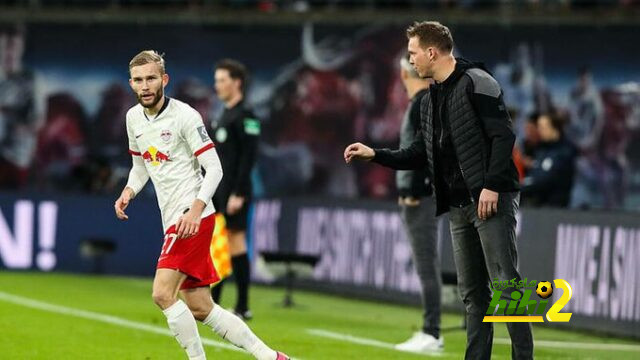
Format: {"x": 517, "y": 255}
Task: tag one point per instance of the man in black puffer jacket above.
{"x": 467, "y": 143}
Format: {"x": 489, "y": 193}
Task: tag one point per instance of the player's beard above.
{"x": 156, "y": 99}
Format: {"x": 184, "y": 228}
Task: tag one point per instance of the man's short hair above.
{"x": 236, "y": 69}
{"x": 431, "y": 33}
{"x": 147, "y": 57}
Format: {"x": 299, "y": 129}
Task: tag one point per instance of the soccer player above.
{"x": 168, "y": 143}
{"x": 467, "y": 142}
{"x": 236, "y": 134}
{"x": 418, "y": 210}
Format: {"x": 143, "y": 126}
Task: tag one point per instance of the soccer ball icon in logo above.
{"x": 544, "y": 289}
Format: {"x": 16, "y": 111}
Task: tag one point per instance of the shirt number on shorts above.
{"x": 169, "y": 240}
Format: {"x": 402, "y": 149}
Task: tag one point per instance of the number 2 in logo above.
{"x": 554, "y": 313}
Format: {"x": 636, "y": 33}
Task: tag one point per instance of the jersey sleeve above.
{"x": 195, "y": 134}
{"x": 133, "y": 144}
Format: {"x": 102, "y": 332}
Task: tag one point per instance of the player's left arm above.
{"x": 487, "y": 99}
{"x": 204, "y": 150}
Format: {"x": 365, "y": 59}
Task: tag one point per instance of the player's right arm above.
{"x": 413, "y": 157}
{"x": 138, "y": 177}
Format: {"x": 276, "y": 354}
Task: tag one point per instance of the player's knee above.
{"x": 200, "y": 314}
{"x": 200, "y": 311}
{"x": 163, "y": 299}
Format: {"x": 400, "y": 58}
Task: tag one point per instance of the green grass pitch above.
{"x": 50, "y": 316}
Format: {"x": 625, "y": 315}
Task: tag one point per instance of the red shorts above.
{"x": 190, "y": 255}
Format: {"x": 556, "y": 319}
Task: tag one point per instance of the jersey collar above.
{"x": 164, "y": 106}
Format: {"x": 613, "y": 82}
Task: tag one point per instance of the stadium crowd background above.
{"x": 303, "y": 5}
{"x": 335, "y": 83}
{"x": 325, "y": 74}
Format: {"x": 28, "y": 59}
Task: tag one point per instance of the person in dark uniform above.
{"x": 550, "y": 178}
{"x": 236, "y": 135}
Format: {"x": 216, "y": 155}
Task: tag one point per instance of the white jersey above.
{"x": 169, "y": 145}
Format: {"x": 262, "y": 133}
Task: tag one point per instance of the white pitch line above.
{"x": 363, "y": 341}
{"x": 350, "y": 338}
{"x": 575, "y": 345}
{"x": 113, "y": 320}
{"x": 499, "y": 341}
{"x": 109, "y": 319}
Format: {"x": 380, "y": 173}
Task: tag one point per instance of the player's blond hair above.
{"x": 147, "y": 57}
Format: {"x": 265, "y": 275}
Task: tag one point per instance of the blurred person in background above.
{"x": 62, "y": 146}
{"x": 418, "y": 211}
{"x": 199, "y": 96}
{"x": 236, "y": 134}
{"x": 467, "y": 141}
{"x": 306, "y": 110}
{"x": 345, "y": 82}
{"x": 19, "y": 115}
{"x": 524, "y": 151}
{"x": 517, "y": 77}
{"x": 109, "y": 136}
{"x": 107, "y": 163}
{"x": 550, "y": 179}
{"x": 584, "y": 130}
{"x": 169, "y": 145}
{"x": 525, "y": 88}
{"x": 531, "y": 137}
{"x": 612, "y": 169}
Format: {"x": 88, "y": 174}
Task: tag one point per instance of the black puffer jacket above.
{"x": 479, "y": 127}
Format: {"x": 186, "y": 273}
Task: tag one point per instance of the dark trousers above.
{"x": 420, "y": 222}
{"x": 484, "y": 250}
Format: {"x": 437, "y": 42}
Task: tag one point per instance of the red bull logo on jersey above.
{"x": 155, "y": 156}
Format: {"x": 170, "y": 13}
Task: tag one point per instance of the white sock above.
{"x": 231, "y": 328}
{"x": 183, "y": 326}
